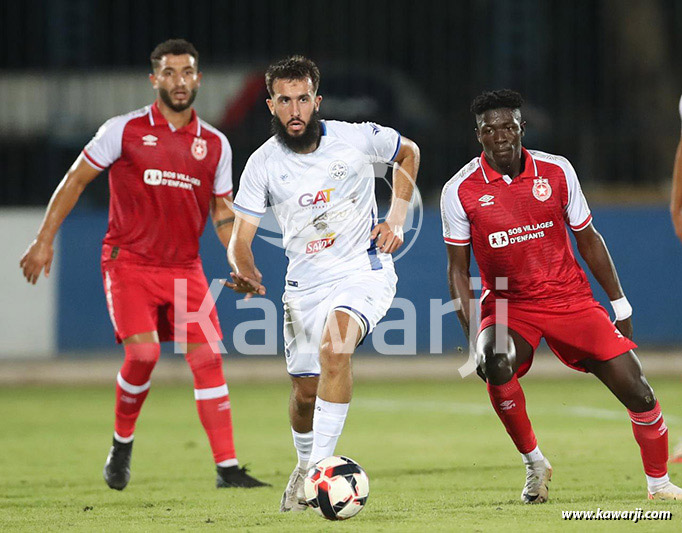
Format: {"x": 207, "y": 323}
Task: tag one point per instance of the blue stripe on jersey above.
{"x": 304, "y": 375}
{"x": 397, "y": 148}
{"x": 374, "y": 261}
{"x": 246, "y": 211}
{"x": 324, "y": 128}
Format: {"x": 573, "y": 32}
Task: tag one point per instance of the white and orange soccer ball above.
{"x": 337, "y": 488}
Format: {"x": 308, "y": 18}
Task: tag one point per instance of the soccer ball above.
{"x": 337, "y": 488}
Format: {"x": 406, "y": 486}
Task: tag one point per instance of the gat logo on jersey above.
{"x": 499, "y": 239}
{"x": 307, "y": 199}
{"x": 153, "y": 176}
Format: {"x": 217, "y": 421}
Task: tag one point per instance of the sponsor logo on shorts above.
{"x": 317, "y": 246}
{"x": 542, "y": 189}
{"x": 313, "y": 199}
{"x": 168, "y": 178}
{"x": 199, "y": 148}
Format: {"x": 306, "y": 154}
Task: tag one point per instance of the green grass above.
{"x": 437, "y": 457}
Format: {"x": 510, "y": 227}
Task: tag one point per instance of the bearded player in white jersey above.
{"x": 318, "y": 176}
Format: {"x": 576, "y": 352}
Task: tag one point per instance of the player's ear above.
{"x": 152, "y": 79}
{"x": 318, "y": 100}
{"x": 523, "y": 128}
{"x": 271, "y": 105}
{"x": 199, "y": 76}
{"x": 478, "y": 134}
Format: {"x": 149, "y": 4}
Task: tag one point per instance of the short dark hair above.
{"x": 292, "y": 68}
{"x": 174, "y": 47}
{"x": 502, "y": 98}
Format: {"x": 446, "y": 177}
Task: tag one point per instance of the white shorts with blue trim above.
{"x": 365, "y": 296}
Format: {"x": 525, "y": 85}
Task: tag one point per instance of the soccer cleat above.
{"x": 117, "y": 467}
{"x": 538, "y": 476}
{"x": 293, "y": 498}
{"x": 233, "y": 476}
{"x": 668, "y": 492}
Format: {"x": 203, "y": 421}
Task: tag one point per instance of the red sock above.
{"x": 651, "y": 434}
{"x": 132, "y": 385}
{"x": 510, "y": 405}
{"x": 213, "y": 401}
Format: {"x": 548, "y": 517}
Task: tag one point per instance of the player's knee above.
{"x": 146, "y": 353}
{"x": 203, "y": 357}
{"x": 496, "y": 364}
{"x": 333, "y": 361}
{"x": 642, "y": 397}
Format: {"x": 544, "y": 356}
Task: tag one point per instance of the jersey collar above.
{"x": 529, "y": 169}
{"x": 156, "y": 118}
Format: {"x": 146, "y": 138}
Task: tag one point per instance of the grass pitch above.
{"x": 437, "y": 457}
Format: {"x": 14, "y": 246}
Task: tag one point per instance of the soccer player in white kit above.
{"x": 318, "y": 177}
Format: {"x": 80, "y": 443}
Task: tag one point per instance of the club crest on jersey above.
{"x": 338, "y": 170}
{"x": 541, "y": 189}
{"x": 199, "y": 148}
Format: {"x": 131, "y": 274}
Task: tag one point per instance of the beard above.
{"x": 166, "y": 98}
{"x": 299, "y": 143}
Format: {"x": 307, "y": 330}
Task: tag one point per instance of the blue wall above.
{"x": 641, "y": 241}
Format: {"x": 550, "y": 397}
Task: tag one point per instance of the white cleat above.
{"x": 538, "y": 476}
{"x": 668, "y": 492}
{"x": 293, "y": 498}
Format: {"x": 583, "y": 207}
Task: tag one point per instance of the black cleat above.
{"x": 117, "y": 467}
{"x": 233, "y": 476}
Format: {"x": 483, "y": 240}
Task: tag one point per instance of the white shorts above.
{"x": 366, "y": 297}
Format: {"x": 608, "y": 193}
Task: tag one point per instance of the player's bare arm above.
{"x": 246, "y": 279}
{"x": 593, "y": 250}
{"x": 459, "y": 262}
{"x": 389, "y": 234}
{"x": 40, "y": 252}
{"x": 222, "y": 217}
{"x": 676, "y": 197}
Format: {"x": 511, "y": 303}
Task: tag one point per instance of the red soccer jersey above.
{"x": 517, "y": 227}
{"x": 161, "y": 182}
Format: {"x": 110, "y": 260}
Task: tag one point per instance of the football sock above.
{"x": 328, "y": 423}
{"x": 304, "y": 445}
{"x": 532, "y": 456}
{"x": 510, "y": 405}
{"x": 132, "y": 386}
{"x": 651, "y": 434}
{"x": 213, "y": 402}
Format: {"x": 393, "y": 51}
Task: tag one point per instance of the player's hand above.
{"x": 246, "y": 285}
{"x": 388, "y": 237}
{"x": 39, "y": 255}
{"x": 625, "y": 327}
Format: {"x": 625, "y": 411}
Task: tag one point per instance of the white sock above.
{"x": 654, "y": 484}
{"x": 532, "y": 456}
{"x": 304, "y": 445}
{"x": 228, "y": 462}
{"x": 123, "y": 440}
{"x": 328, "y": 423}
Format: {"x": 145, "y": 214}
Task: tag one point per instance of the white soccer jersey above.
{"x": 323, "y": 201}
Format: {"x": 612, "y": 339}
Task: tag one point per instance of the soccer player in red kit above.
{"x": 511, "y": 205}
{"x": 167, "y": 170}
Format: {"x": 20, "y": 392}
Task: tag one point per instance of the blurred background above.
{"x": 601, "y": 79}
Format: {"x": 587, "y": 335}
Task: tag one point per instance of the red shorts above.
{"x": 141, "y": 298}
{"x": 573, "y": 332}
